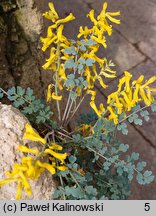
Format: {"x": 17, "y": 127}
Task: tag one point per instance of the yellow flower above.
{"x": 49, "y": 96}
{"x": 84, "y": 32}
{"x": 110, "y": 15}
{"x": 146, "y": 100}
{"x": 56, "y": 97}
{"x": 61, "y": 168}
{"x": 100, "y": 40}
{"x": 111, "y": 97}
{"x": 118, "y": 104}
{"x": 47, "y": 42}
{"x": 7, "y": 181}
{"x": 52, "y": 14}
{"x": 32, "y": 135}
{"x": 101, "y": 82}
{"x": 70, "y": 17}
{"x": 128, "y": 77}
{"x": 138, "y": 81}
{"x": 107, "y": 75}
{"x": 47, "y": 166}
{"x": 152, "y": 90}
{"x": 26, "y": 184}
{"x": 148, "y": 82}
{"x": 60, "y": 37}
{"x": 79, "y": 91}
{"x": 98, "y": 112}
{"x": 112, "y": 115}
{"x": 59, "y": 156}
{"x": 130, "y": 103}
{"x": 51, "y": 60}
{"x": 55, "y": 146}
{"x": 62, "y": 73}
{"x": 92, "y": 17}
{"x": 93, "y": 93}
{"x": 27, "y": 150}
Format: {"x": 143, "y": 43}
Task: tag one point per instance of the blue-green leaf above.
{"x": 90, "y": 62}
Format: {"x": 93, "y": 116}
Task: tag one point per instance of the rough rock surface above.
{"x": 12, "y": 124}
{"x": 29, "y": 18}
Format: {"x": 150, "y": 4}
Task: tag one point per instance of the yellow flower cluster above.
{"x": 97, "y": 34}
{"x": 30, "y": 168}
{"x": 59, "y": 42}
{"x": 129, "y": 94}
{"x": 101, "y": 25}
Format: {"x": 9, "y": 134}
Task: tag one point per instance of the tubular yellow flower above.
{"x": 30, "y": 134}
{"x": 51, "y": 60}
{"x": 112, "y": 115}
{"x": 100, "y": 40}
{"x": 121, "y": 82}
{"x": 56, "y": 97}
{"x": 144, "y": 97}
{"x": 52, "y": 14}
{"x": 101, "y": 82}
{"x": 92, "y": 17}
{"x": 84, "y": 32}
{"x": 47, "y": 42}
{"x": 69, "y": 18}
{"x": 136, "y": 93}
{"x": 62, "y": 73}
{"x": 47, "y": 166}
{"x": 79, "y": 91}
{"x": 61, "y": 168}
{"x": 152, "y": 90}
{"x": 101, "y": 108}
{"x": 49, "y": 96}
{"x": 138, "y": 81}
{"x": 110, "y": 15}
{"x": 129, "y": 102}
{"x": 111, "y": 97}
{"x": 7, "y": 181}
{"x": 27, "y": 150}
{"x": 59, "y": 156}
{"x": 148, "y": 82}
{"x": 98, "y": 112}
{"x": 55, "y": 146}
{"x": 107, "y": 75}
{"x": 93, "y": 93}
{"x": 118, "y": 104}
{"x": 128, "y": 77}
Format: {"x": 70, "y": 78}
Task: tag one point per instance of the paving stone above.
{"x": 138, "y": 18}
{"x": 122, "y": 53}
{"x": 148, "y": 47}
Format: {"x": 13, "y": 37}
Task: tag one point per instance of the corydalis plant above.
{"x": 86, "y": 161}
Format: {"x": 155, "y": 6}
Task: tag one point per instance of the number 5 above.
{"x": 147, "y": 207}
